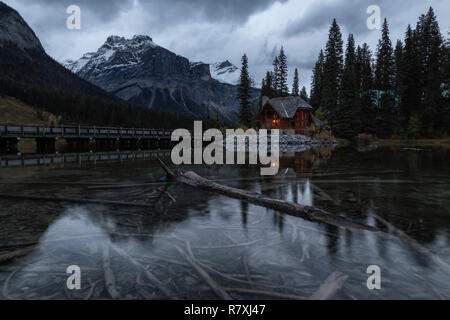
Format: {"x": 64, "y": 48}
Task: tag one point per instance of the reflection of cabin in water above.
{"x": 300, "y": 162}
{"x": 292, "y": 115}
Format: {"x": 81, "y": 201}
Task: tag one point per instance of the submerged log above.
{"x": 415, "y": 244}
{"x": 110, "y": 279}
{"x": 332, "y": 284}
{"x": 294, "y": 209}
{"x": 76, "y": 200}
{"x": 17, "y": 253}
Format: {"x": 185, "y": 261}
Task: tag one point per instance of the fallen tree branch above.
{"x": 77, "y": 200}
{"x": 147, "y": 273}
{"x": 214, "y": 285}
{"x": 291, "y": 208}
{"x": 110, "y": 279}
{"x": 416, "y": 245}
{"x": 125, "y": 186}
{"x": 17, "y": 253}
{"x": 332, "y": 284}
{"x": 266, "y": 293}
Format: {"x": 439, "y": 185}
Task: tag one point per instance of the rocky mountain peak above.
{"x": 117, "y": 51}
{"x": 114, "y": 39}
{"x": 136, "y": 40}
{"x": 225, "y": 72}
{"x": 142, "y": 38}
{"x": 139, "y": 71}
{"x": 13, "y": 29}
{"x": 225, "y": 64}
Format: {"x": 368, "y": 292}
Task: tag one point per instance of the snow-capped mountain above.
{"x": 225, "y": 72}
{"x": 136, "y": 47}
{"x": 142, "y": 72}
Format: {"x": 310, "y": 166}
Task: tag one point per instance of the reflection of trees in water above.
{"x": 415, "y": 207}
{"x": 304, "y": 162}
{"x": 244, "y": 183}
{"x": 332, "y": 239}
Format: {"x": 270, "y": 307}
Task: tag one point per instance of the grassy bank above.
{"x": 13, "y": 111}
{"x": 343, "y": 142}
{"x": 414, "y": 142}
{"x": 438, "y": 142}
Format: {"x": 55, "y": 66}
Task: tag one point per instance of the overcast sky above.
{"x": 216, "y": 30}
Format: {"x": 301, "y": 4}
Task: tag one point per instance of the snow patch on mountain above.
{"x": 225, "y": 72}
{"x": 112, "y": 49}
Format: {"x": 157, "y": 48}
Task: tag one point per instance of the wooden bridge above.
{"x": 83, "y": 137}
{"x": 78, "y": 159}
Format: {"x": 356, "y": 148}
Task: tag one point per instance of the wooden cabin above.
{"x": 292, "y": 115}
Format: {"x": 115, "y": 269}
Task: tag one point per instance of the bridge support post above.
{"x": 8, "y": 145}
{"x": 105, "y": 144}
{"x": 164, "y": 143}
{"x": 45, "y": 145}
{"x": 148, "y": 144}
{"x": 78, "y": 144}
{"x": 128, "y": 144}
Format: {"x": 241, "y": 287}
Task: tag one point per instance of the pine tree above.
{"x": 317, "y": 81}
{"x": 398, "y": 84}
{"x": 347, "y": 94}
{"x": 295, "y": 85}
{"x": 410, "y": 75}
{"x": 429, "y": 44}
{"x": 384, "y": 82}
{"x": 398, "y": 63}
{"x": 269, "y": 85}
{"x": 276, "y": 76}
{"x": 367, "y": 100}
{"x": 356, "y": 113}
{"x": 414, "y": 126}
{"x": 444, "y": 117}
{"x": 244, "y": 94}
{"x": 262, "y": 93}
{"x": 332, "y": 72}
{"x": 283, "y": 73}
{"x": 266, "y": 88}
{"x": 304, "y": 94}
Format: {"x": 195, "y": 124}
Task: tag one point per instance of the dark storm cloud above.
{"x": 105, "y": 10}
{"x": 216, "y": 30}
{"x": 169, "y": 11}
{"x": 350, "y": 14}
{"x": 211, "y": 10}
{"x": 267, "y": 53}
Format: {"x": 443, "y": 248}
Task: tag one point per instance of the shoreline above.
{"x": 413, "y": 142}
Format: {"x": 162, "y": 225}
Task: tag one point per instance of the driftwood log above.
{"x": 76, "y": 200}
{"x": 17, "y": 253}
{"x": 294, "y": 209}
{"x": 330, "y": 287}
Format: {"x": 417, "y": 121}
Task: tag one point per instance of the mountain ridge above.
{"x": 140, "y": 71}
{"x": 29, "y": 74}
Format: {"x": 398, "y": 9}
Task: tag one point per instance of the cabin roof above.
{"x": 286, "y": 107}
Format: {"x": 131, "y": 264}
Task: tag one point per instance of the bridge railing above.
{"x": 81, "y": 131}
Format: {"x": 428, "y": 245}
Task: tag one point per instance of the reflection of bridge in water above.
{"x": 78, "y": 158}
{"x": 82, "y": 138}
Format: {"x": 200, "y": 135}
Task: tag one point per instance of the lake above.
{"x": 166, "y": 240}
